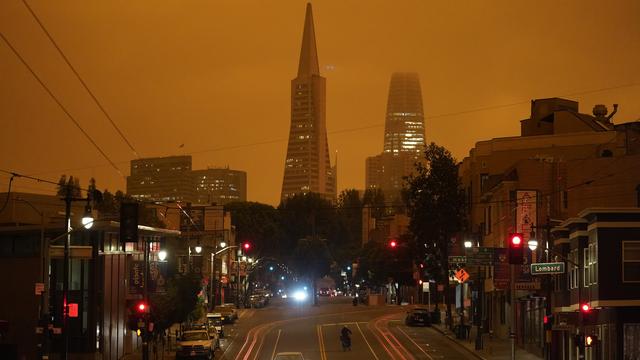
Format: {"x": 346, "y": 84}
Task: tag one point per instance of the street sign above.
{"x": 462, "y": 275}
{"x": 547, "y": 268}
{"x": 457, "y": 259}
{"x": 529, "y": 285}
{"x": 482, "y": 256}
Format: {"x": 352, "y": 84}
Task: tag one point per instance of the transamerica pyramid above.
{"x": 307, "y": 167}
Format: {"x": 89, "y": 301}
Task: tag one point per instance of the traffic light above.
{"x": 141, "y": 307}
{"x": 585, "y": 308}
{"x": 516, "y": 249}
{"x": 547, "y": 320}
{"x": 246, "y": 246}
{"x": 590, "y": 340}
{"x": 137, "y": 315}
{"x": 393, "y": 244}
{"x": 128, "y": 223}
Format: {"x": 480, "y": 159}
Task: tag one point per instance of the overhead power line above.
{"x": 64, "y": 109}
{"x": 75, "y": 72}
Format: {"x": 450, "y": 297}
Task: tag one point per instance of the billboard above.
{"x": 526, "y": 212}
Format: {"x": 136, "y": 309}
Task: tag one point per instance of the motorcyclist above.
{"x": 345, "y": 332}
{"x": 345, "y": 338}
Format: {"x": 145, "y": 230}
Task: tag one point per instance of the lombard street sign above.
{"x": 547, "y": 268}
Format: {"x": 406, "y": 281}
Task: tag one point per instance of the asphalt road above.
{"x": 378, "y": 332}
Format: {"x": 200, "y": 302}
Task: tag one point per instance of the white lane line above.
{"x": 342, "y": 323}
{"x": 414, "y": 343}
{"x": 273, "y": 354}
{"x": 367, "y": 341}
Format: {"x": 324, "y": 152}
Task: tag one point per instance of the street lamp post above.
{"x": 68, "y": 199}
{"x": 43, "y": 314}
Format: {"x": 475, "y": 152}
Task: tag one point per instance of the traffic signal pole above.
{"x": 145, "y": 335}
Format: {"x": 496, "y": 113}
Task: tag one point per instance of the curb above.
{"x": 448, "y": 335}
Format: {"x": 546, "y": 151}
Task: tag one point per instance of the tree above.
{"x": 68, "y": 187}
{"x": 257, "y": 223}
{"x": 436, "y": 204}
{"x": 178, "y": 303}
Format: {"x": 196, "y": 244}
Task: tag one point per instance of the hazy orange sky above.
{"x": 215, "y": 76}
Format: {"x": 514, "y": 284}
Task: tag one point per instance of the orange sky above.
{"x": 215, "y": 76}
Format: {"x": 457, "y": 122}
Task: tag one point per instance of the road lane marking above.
{"x": 323, "y": 355}
{"x": 273, "y": 354}
{"x": 414, "y": 343}
{"x": 367, "y": 341}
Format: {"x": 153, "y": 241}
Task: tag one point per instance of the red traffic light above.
{"x": 246, "y": 246}
{"x": 585, "y": 307}
{"x": 516, "y": 239}
{"x": 393, "y": 243}
{"x": 141, "y": 307}
{"x": 545, "y": 320}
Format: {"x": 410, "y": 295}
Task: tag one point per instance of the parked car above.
{"x": 228, "y": 314}
{"x": 214, "y": 321}
{"x": 289, "y": 356}
{"x": 234, "y": 313}
{"x": 195, "y": 343}
{"x": 418, "y": 316}
{"x": 324, "y": 292}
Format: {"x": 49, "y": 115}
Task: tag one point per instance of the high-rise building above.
{"x": 307, "y": 165}
{"x": 172, "y": 179}
{"x": 161, "y": 179}
{"x": 404, "y": 136}
{"x": 220, "y": 186}
{"x": 404, "y": 123}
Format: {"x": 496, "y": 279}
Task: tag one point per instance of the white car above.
{"x": 289, "y": 356}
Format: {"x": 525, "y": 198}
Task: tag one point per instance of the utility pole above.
{"x": 65, "y": 281}
{"x": 512, "y": 334}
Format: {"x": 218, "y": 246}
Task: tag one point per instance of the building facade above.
{"x": 100, "y": 285}
{"x": 563, "y": 162}
{"x": 308, "y": 165}
{"x": 404, "y": 136}
{"x": 220, "y": 186}
{"x": 161, "y": 179}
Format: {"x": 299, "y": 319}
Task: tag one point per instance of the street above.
{"x": 377, "y": 333}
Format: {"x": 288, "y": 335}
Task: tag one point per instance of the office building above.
{"x": 220, "y": 185}
{"x": 308, "y": 165}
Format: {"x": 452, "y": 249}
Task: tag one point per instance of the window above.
{"x": 487, "y": 220}
{"x": 483, "y": 182}
{"x": 593, "y": 263}
{"x": 572, "y": 279}
{"x": 585, "y": 265}
{"x": 565, "y": 200}
{"x": 631, "y": 261}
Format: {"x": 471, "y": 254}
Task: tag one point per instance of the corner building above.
{"x": 307, "y": 165}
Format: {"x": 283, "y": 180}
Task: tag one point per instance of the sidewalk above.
{"x": 166, "y": 351}
{"x": 493, "y": 349}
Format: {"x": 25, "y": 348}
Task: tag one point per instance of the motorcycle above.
{"x": 346, "y": 342}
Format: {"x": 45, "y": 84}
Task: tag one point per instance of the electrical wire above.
{"x": 6, "y": 200}
{"x": 64, "y": 109}
{"x": 75, "y": 72}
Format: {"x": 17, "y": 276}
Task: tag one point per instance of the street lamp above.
{"x": 468, "y": 244}
{"x": 87, "y": 219}
{"x": 533, "y": 244}
{"x": 162, "y": 255}
{"x": 198, "y": 249}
